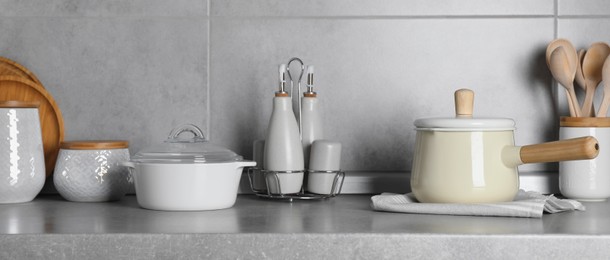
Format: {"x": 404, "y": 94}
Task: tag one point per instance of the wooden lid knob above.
{"x": 464, "y": 102}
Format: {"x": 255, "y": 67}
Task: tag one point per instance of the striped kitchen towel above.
{"x": 527, "y": 204}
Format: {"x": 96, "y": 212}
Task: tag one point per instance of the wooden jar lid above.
{"x": 585, "y": 121}
{"x": 19, "y": 104}
{"x": 95, "y": 145}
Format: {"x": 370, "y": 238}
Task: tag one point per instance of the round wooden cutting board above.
{"x": 51, "y": 120}
{"x": 12, "y": 68}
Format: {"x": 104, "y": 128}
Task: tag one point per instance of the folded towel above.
{"x": 528, "y": 204}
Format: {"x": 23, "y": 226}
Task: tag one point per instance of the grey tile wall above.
{"x": 117, "y": 69}
{"x": 133, "y": 69}
{"x": 381, "y": 66}
{"x": 375, "y": 77}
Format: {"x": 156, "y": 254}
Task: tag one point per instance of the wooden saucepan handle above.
{"x": 581, "y": 148}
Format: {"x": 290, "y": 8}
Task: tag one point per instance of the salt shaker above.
{"x": 324, "y": 164}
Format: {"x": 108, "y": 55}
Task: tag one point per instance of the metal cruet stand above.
{"x": 272, "y": 178}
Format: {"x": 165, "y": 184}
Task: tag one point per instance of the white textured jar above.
{"x": 586, "y": 180}
{"x": 90, "y": 171}
{"x": 22, "y": 167}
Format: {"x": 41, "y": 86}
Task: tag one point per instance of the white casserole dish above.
{"x": 187, "y": 174}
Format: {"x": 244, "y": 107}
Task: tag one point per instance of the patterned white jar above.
{"x": 586, "y": 180}
{"x": 22, "y": 168}
{"x": 90, "y": 171}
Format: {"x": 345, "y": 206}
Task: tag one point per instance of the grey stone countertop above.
{"x": 343, "y": 227}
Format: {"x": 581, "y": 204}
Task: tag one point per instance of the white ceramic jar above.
{"x": 90, "y": 171}
{"x": 586, "y": 180}
{"x": 22, "y": 166}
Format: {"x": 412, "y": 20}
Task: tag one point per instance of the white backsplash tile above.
{"x": 584, "y": 31}
{"x": 583, "y": 7}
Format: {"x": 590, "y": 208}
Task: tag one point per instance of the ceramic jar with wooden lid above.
{"x": 90, "y": 171}
{"x": 22, "y": 166}
{"x": 586, "y": 180}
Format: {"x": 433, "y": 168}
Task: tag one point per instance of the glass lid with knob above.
{"x": 177, "y": 149}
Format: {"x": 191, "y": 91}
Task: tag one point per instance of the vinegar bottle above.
{"x": 311, "y": 119}
{"x": 283, "y": 148}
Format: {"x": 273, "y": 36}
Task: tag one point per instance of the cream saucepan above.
{"x": 474, "y": 160}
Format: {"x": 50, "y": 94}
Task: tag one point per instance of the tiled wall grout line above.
{"x": 380, "y": 17}
{"x": 555, "y": 21}
{"x": 101, "y": 17}
{"x": 583, "y": 16}
{"x": 597, "y": 16}
{"x": 554, "y": 86}
{"x": 209, "y": 50}
{"x": 384, "y": 17}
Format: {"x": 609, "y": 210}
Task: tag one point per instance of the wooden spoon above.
{"x": 549, "y": 49}
{"x": 573, "y": 64}
{"x": 568, "y": 48}
{"x": 592, "y": 71}
{"x": 603, "y": 108}
{"x": 580, "y": 78}
{"x": 564, "y": 74}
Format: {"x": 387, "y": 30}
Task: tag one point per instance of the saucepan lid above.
{"x": 464, "y": 121}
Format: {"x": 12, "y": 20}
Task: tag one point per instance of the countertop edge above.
{"x": 301, "y": 246}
